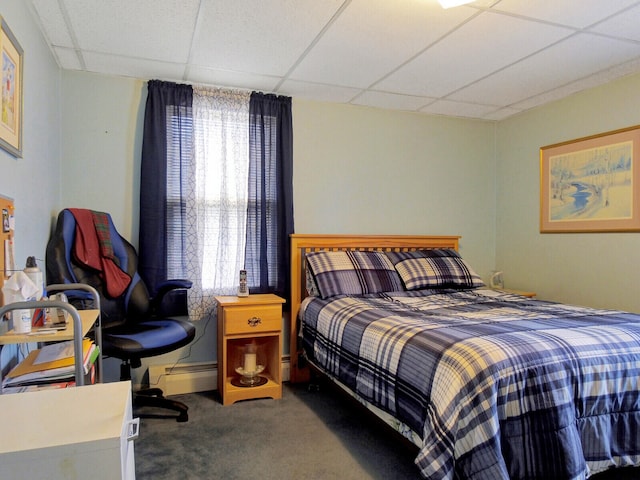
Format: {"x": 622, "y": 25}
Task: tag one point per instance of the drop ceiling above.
{"x": 487, "y": 60}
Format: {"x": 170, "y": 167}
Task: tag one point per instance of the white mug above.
{"x": 21, "y": 321}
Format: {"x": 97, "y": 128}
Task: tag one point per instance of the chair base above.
{"x": 154, "y": 397}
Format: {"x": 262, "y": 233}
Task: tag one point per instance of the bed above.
{"x": 487, "y": 384}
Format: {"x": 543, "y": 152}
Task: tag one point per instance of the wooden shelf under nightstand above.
{"x": 242, "y": 320}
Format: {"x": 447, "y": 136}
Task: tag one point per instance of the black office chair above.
{"x": 86, "y": 248}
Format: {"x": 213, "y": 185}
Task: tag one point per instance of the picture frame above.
{"x": 591, "y": 184}
{"x": 11, "y": 65}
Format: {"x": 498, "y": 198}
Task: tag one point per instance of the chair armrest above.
{"x": 169, "y": 285}
{"x": 166, "y": 303}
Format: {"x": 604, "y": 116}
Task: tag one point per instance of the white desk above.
{"x": 68, "y": 433}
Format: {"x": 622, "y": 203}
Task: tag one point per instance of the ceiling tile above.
{"x": 624, "y": 25}
{"x": 458, "y": 109}
{"x": 372, "y": 37}
{"x": 264, "y": 37}
{"x": 115, "y": 26}
{"x": 575, "y": 13}
{"x": 553, "y": 95}
{"x": 318, "y": 92}
{"x": 489, "y": 59}
{"x": 67, "y": 58}
{"x": 391, "y": 101}
{"x": 529, "y": 77}
{"x": 53, "y": 23}
{"x": 485, "y": 44}
{"x": 599, "y": 78}
{"x": 133, "y": 67}
{"x": 501, "y": 114}
{"x": 225, "y": 78}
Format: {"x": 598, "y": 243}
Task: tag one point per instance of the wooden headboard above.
{"x": 303, "y": 243}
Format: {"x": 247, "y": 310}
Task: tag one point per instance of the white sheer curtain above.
{"x": 216, "y": 206}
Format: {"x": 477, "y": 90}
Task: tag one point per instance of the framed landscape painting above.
{"x": 591, "y": 184}
{"x": 11, "y": 87}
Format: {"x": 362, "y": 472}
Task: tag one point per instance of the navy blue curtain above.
{"x": 270, "y": 210}
{"x": 167, "y": 141}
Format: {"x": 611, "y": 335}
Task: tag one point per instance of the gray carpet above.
{"x": 305, "y": 435}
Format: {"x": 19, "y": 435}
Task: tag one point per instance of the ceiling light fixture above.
{"x": 453, "y": 3}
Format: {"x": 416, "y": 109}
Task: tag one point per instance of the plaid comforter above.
{"x": 498, "y": 386}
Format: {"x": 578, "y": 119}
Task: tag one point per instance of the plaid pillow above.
{"x": 436, "y": 268}
{"x": 353, "y": 273}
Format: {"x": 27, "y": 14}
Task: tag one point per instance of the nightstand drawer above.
{"x": 252, "y": 319}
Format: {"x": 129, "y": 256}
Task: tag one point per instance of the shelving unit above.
{"x": 82, "y": 322}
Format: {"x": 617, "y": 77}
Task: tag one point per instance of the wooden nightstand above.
{"x": 256, "y": 319}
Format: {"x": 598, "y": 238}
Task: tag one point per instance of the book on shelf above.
{"x": 36, "y": 386}
{"x": 51, "y": 364}
{"x": 39, "y": 387}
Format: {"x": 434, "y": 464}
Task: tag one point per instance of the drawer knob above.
{"x": 254, "y": 321}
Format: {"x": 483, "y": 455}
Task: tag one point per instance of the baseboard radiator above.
{"x": 192, "y": 377}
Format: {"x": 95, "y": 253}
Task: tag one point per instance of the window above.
{"x": 213, "y": 189}
{"x": 216, "y": 191}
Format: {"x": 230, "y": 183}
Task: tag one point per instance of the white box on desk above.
{"x": 81, "y": 432}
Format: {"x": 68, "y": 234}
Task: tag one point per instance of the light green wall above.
{"x": 102, "y": 132}
{"x": 420, "y": 174}
{"x": 366, "y": 170}
{"x": 33, "y": 181}
{"x": 594, "y": 269}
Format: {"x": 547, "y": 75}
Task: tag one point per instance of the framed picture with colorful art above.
{"x": 11, "y": 58}
{"x": 591, "y": 184}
